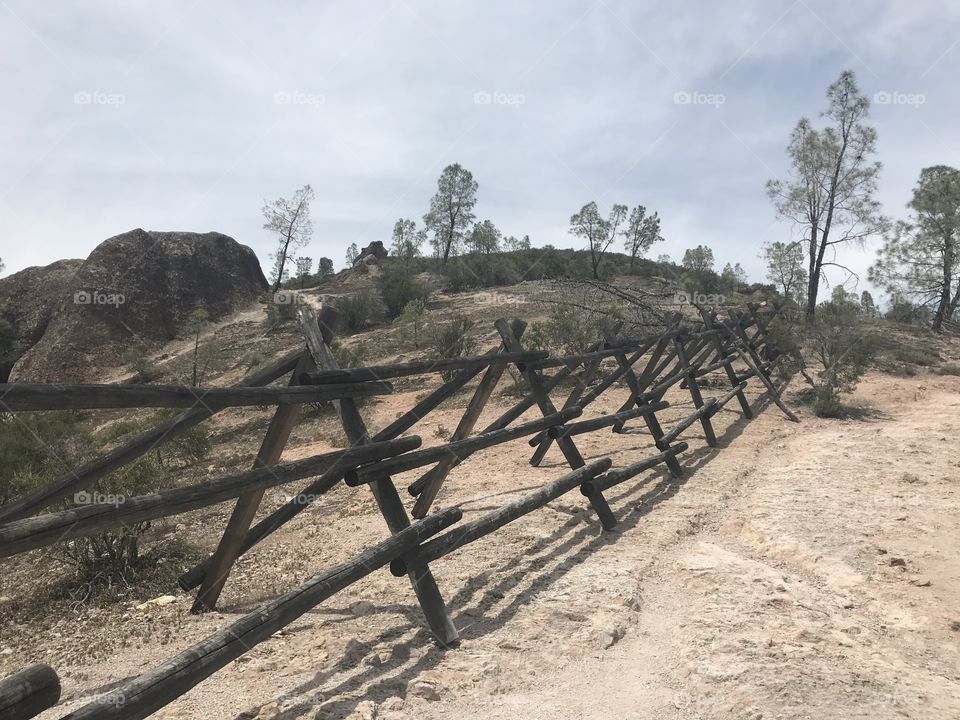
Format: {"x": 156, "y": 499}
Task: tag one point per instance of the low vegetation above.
{"x": 567, "y": 330}
{"x": 360, "y": 311}
{"x": 40, "y": 447}
{"x": 451, "y": 339}
{"x": 410, "y": 325}
{"x": 843, "y": 351}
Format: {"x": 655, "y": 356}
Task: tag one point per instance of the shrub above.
{"x": 36, "y": 447}
{"x": 906, "y": 313}
{"x": 114, "y": 555}
{"x": 568, "y": 330}
{"x": 137, "y": 362}
{"x": 358, "y": 312}
{"x": 916, "y": 356}
{"x": 119, "y": 428}
{"x": 480, "y": 271}
{"x": 549, "y": 263}
{"x": 348, "y": 357}
{"x": 187, "y": 448}
{"x": 399, "y": 287}
{"x": 191, "y": 446}
{"x": 784, "y": 335}
{"x": 254, "y": 360}
{"x": 949, "y": 369}
{"x": 451, "y": 339}
{"x": 411, "y": 322}
{"x": 10, "y": 349}
{"x": 281, "y": 310}
{"x": 843, "y": 350}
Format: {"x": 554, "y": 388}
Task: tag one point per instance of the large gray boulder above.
{"x": 27, "y": 300}
{"x": 135, "y": 291}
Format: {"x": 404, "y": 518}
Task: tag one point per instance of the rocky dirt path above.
{"x": 823, "y": 581}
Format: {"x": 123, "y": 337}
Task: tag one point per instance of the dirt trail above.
{"x": 823, "y": 583}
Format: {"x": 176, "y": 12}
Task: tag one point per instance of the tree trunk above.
{"x": 943, "y": 307}
{"x": 954, "y": 304}
{"x": 283, "y": 260}
{"x": 944, "y": 311}
{"x": 446, "y": 247}
{"x": 816, "y": 267}
{"x": 812, "y": 277}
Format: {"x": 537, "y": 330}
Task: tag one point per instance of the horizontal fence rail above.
{"x": 86, "y": 475}
{"x": 147, "y": 693}
{"x": 116, "y": 511}
{"x": 29, "y": 692}
{"x": 22, "y": 396}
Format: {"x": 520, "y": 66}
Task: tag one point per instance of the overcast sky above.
{"x": 187, "y": 115}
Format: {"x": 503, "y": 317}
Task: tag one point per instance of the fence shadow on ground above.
{"x": 527, "y": 574}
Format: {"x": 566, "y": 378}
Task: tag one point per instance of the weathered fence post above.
{"x": 637, "y": 387}
{"x": 723, "y": 352}
{"x": 694, "y": 389}
{"x": 435, "y": 477}
{"x": 573, "y": 399}
{"x": 228, "y": 550}
{"x": 384, "y": 491}
{"x": 565, "y": 443}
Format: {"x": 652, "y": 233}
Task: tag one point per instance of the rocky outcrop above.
{"x": 27, "y": 300}
{"x": 372, "y": 253}
{"x": 135, "y": 291}
{"x": 368, "y": 261}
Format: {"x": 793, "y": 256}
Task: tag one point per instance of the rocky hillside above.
{"x": 133, "y": 292}
{"x": 27, "y": 300}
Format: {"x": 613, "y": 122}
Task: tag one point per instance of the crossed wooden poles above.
{"x": 679, "y": 355}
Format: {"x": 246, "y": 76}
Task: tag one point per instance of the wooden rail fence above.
{"x": 681, "y": 355}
